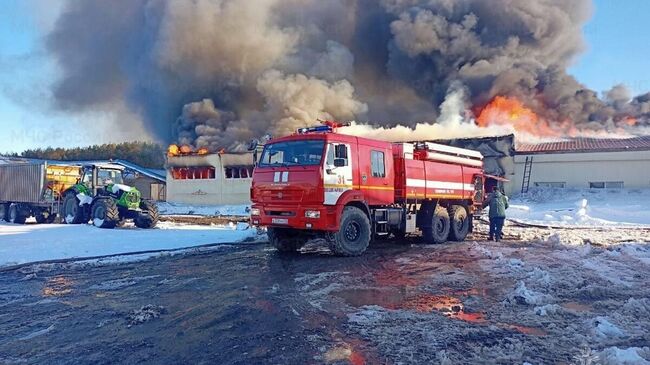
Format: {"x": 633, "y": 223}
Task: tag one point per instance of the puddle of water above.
{"x": 532, "y": 331}
{"x": 57, "y": 286}
{"x": 450, "y": 306}
{"x": 576, "y": 307}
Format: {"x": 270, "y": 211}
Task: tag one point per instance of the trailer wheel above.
{"x": 285, "y": 239}
{"x": 16, "y": 214}
{"x": 148, "y": 217}
{"x": 105, "y": 213}
{"x": 4, "y": 212}
{"x": 72, "y": 212}
{"x": 353, "y": 237}
{"x": 439, "y": 230}
{"x": 459, "y": 223}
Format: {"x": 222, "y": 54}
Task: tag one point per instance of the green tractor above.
{"x": 101, "y": 197}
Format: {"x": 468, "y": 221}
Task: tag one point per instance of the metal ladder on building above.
{"x": 528, "y": 167}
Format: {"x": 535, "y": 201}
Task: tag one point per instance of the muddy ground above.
{"x": 529, "y": 299}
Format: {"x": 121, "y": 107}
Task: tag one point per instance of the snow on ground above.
{"x": 167, "y": 208}
{"x": 38, "y": 242}
{"x": 584, "y": 208}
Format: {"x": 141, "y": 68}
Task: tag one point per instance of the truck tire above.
{"x": 4, "y": 212}
{"x": 353, "y": 237}
{"x": 72, "y": 213}
{"x": 17, "y": 214}
{"x": 439, "y": 230}
{"x": 105, "y": 213}
{"x": 285, "y": 239}
{"x": 459, "y": 223}
{"x": 148, "y": 217}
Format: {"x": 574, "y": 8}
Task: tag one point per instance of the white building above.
{"x": 210, "y": 179}
{"x": 582, "y": 163}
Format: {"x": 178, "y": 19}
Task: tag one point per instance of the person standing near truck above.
{"x": 498, "y": 204}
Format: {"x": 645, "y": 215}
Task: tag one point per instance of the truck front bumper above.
{"x": 294, "y": 217}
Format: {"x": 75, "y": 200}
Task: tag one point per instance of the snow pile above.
{"x": 524, "y": 296}
{"x": 629, "y": 356}
{"x": 168, "y": 208}
{"x": 604, "y": 329}
{"x": 39, "y": 242}
{"x": 144, "y": 314}
{"x": 547, "y": 309}
{"x": 575, "y": 207}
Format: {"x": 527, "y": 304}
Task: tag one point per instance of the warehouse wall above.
{"x": 218, "y": 190}
{"x": 577, "y": 170}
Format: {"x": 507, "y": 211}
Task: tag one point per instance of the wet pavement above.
{"x": 399, "y": 303}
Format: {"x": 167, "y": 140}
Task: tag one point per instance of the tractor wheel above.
{"x": 4, "y": 212}
{"x": 105, "y": 213}
{"x": 17, "y": 214}
{"x": 459, "y": 223}
{"x": 285, "y": 239}
{"x": 439, "y": 230}
{"x": 148, "y": 217}
{"x": 72, "y": 212}
{"x": 353, "y": 237}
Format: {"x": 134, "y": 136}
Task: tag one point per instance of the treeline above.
{"x": 146, "y": 154}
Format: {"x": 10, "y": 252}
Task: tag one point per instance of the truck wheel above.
{"x": 4, "y": 212}
{"x": 439, "y": 230}
{"x": 148, "y": 217}
{"x": 72, "y": 212}
{"x": 459, "y": 223}
{"x": 16, "y": 214}
{"x": 105, "y": 213}
{"x": 353, "y": 237}
{"x": 285, "y": 239}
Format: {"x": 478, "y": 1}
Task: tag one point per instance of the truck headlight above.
{"x": 255, "y": 211}
{"x": 312, "y": 213}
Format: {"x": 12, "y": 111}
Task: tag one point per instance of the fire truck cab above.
{"x": 349, "y": 190}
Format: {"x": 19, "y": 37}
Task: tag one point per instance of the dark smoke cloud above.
{"x": 235, "y": 70}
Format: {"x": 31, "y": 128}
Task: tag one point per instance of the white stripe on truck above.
{"x": 429, "y": 184}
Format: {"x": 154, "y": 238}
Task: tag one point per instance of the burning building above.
{"x": 201, "y": 177}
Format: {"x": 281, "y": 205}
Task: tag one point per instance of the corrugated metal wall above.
{"x": 22, "y": 183}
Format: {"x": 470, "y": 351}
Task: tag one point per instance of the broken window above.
{"x": 193, "y": 173}
{"x": 238, "y": 172}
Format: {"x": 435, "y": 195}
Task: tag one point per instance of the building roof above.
{"x": 152, "y": 173}
{"x": 641, "y": 143}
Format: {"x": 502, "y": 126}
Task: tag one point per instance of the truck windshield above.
{"x": 292, "y": 153}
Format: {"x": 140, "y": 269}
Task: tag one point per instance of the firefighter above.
{"x": 498, "y": 203}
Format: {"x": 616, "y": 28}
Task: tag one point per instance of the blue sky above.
{"x": 618, "y": 41}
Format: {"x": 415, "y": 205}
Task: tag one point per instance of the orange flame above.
{"x": 203, "y": 151}
{"x": 510, "y": 111}
{"x": 173, "y": 150}
{"x": 629, "y": 121}
{"x": 185, "y": 149}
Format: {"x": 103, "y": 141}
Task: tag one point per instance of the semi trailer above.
{"x": 75, "y": 193}
{"x": 34, "y": 189}
{"x": 350, "y": 190}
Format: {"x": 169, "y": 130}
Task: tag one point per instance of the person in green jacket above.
{"x": 498, "y": 203}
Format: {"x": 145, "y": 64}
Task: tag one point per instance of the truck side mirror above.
{"x": 340, "y": 162}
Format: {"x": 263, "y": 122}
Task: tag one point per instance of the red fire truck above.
{"x": 349, "y": 190}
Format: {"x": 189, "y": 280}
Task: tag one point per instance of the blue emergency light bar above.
{"x": 320, "y": 128}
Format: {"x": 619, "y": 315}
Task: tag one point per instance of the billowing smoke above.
{"x": 217, "y": 73}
